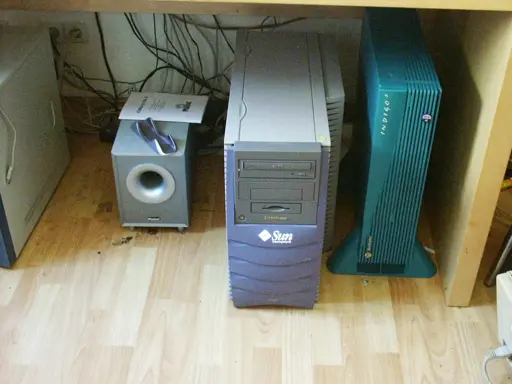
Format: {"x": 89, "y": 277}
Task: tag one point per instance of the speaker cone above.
{"x": 150, "y": 183}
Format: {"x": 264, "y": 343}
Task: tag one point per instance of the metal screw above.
{"x": 241, "y": 217}
{"x": 368, "y": 255}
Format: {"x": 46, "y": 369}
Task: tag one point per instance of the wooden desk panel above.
{"x": 473, "y": 141}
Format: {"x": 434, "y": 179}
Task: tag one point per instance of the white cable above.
{"x": 79, "y": 118}
{"x": 432, "y": 251}
{"x": 54, "y": 118}
{"x": 502, "y": 352}
{"x": 10, "y": 168}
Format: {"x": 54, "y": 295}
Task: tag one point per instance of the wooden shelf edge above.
{"x": 275, "y": 7}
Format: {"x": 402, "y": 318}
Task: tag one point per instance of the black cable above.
{"x": 54, "y": 47}
{"x": 105, "y": 59}
{"x": 187, "y": 23}
{"x": 213, "y": 78}
{"x": 173, "y": 19}
{"x": 247, "y": 27}
{"x": 156, "y": 40}
{"x": 226, "y": 78}
{"x": 89, "y": 79}
{"x": 217, "y": 76}
{"x": 117, "y": 81}
{"x": 183, "y": 86}
{"x": 223, "y": 34}
{"x": 197, "y": 46}
{"x": 138, "y": 35}
{"x": 169, "y": 39}
{"x": 262, "y": 25}
{"x": 79, "y": 74}
{"x": 151, "y": 74}
{"x": 183, "y": 72}
{"x": 183, "y": 42}
{"x": 103, "y": 95}
{"x": 177, "y": 32}
{"x": 149, "y": 47}
{"x": 90, "y": 87}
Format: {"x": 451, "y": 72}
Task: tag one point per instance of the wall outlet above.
{"x": 132, "y": 88}
{"x": 78, "y": 29}
{"x": 504, "y": 303}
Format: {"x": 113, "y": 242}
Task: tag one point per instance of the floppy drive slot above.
{"x": 279, "y": 194}
{"x": 276, "y": 208}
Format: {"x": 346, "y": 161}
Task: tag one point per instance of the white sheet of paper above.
{"x": 164, "y": 107}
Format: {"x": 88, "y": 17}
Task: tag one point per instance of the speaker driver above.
{"x": 150, "y": 183}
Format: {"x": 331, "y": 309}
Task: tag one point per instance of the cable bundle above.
{"x": 181, "y": 54}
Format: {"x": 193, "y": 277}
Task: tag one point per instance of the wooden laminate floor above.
{"x": 89, "y": 302}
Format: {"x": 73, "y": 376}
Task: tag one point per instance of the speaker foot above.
{"x": 181, "y": 229}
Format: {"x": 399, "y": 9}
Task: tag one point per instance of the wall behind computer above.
{"x": 131, "y": 61}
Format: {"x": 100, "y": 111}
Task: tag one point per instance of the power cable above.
{"x": 183, "y": 72}
{"x": 90, "y": 87}
{"x": 197, "y": 47}
{"x": 207, "y": 40}
{"x": 168, "y": 56}
{"x": 166, "y": 32}
{"x": 262, "y": 25}
{"x": 186, "y": 69}
{"x": 182, "y": 42}
{"x": 156, "y": 40}
{"x": 125, "y": 82}
{"x": 223, "y": 33}
{"x": 151, "y": 74}
{"x": 503, "y": 352}
{"x": 236, "y": 28}
{"x": 190, "y": 58}
{"x": 149, "y": 47}
{"x": 183, "y": 86}
{"x": 105, "y": 58}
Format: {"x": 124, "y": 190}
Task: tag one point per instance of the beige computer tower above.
{"x": 33, "y": 146}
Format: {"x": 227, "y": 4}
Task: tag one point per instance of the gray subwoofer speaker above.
{"x": 153, "y": 190}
